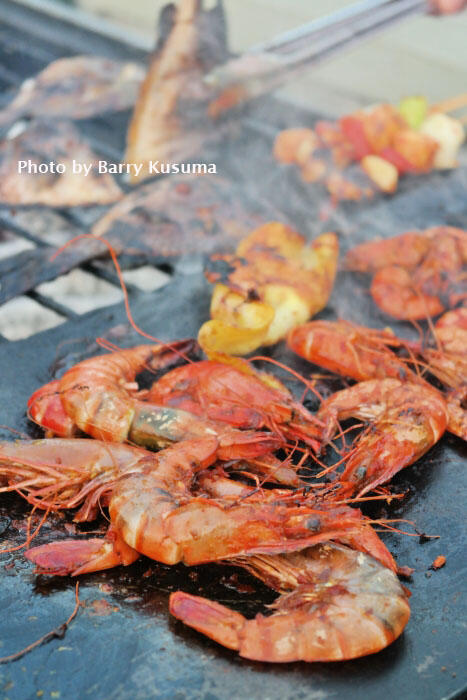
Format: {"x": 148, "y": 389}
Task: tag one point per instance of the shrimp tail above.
{"x": 45, "y": 408}
{"x": 74, "y": 557}
{"x": 212, "y": 619}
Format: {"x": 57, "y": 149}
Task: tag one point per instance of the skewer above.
{"x": 452, "y": 104}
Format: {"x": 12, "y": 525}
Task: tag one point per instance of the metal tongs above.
{"x": 266, "y": 66}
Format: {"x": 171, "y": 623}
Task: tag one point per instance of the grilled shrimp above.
{"x": 350, "y": 350}
{"x": 100, "y": 397}
{"x": 335, "y": 604}
{"x": 234, "y": 392}
{"x": 366, "y": 353}
{"x": 416, "y": 274}
{"x": 359, "y": 536}
{"x": 448, "y": 362}
{"x": 153, "y": 509}
{"x": 405, "y": 420}
{"x": 103, "y": 385}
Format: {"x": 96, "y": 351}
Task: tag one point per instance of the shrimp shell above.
{"x": 335, "y": 604}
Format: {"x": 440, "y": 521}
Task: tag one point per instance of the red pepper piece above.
{"x": 401, "y": 163}
{"x": 353, "y": 130}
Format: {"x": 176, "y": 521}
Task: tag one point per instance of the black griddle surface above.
{"x": 137, "y": 651}
{"x": 123, "y": 643}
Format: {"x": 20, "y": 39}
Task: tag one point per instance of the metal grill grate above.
{"x": 26, "y": 46}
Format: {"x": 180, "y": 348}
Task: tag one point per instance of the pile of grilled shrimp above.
{"x": 217, "y": 461}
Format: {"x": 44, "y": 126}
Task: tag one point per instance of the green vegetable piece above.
{"x": 414, "y": 110}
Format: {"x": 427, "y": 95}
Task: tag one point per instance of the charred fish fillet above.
{"x": 183, "y": 214}
{"x": 51, "y": 145}
{"x": 77, "y": 88}
{"x": 170, "y": 121}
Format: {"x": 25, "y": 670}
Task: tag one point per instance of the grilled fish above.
{"x": 170, "y": 122}
{"x": 77, "y": 88}
{"x": 48, "y": 147}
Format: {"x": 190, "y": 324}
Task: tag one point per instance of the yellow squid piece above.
{"x": 276, "y": 281}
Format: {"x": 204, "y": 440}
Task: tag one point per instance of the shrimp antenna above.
{"x": 291, "y": 371}
{"x": 126, "y": 300}
{"x": 29, "y": 536}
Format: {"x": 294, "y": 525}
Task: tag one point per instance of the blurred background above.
{"x": 425, "y": 55}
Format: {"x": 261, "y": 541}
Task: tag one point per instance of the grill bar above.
{"x": 10, "y": 225}
{"x": 52, "y": 304}
{"x": 93, "y": 267}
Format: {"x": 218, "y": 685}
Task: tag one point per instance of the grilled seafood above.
{"x": 366, "y": 353}
{"x": 46, "y": 409}
{"x": 78, "y": 87}
{"x": 451, "y": 337}
{"x": 110, "y": 374}
{"x": 335, "y": 604}
{"x": 416, "y": 274}
{"x": 448, "y": 362}
{"x": 359, "y": 536}
{"x": 100, "y": 397}
{"x": 63, "y": 473}
{"x": 152, "y": 508}
{"x": 453, "y": 319}
{"x": 232, "y": 391}
{"x": 406, "y": 419}
{"x": 350, "y": 350}
{"x": 159, "y": 130}
{"x": 42, "y": 142}
{"x": 384, "y": 141}
{"x": 275, "y": 282}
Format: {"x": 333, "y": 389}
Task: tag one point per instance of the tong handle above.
{"x": 268, "y": 65}
{"x": 363, "y": 16}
